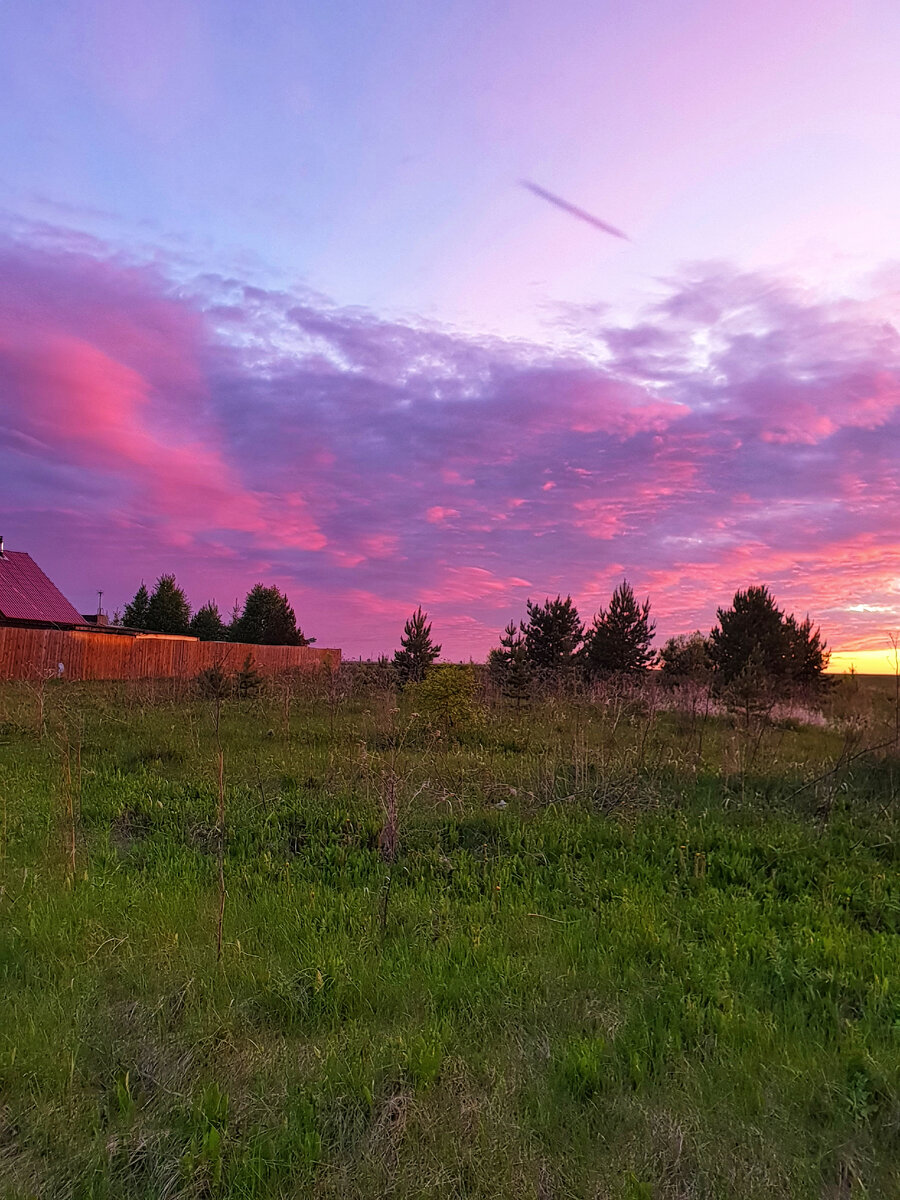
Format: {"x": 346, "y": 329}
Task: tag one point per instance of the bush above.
{"x": 686, "y": 659}
{"x": 446, "y": 697}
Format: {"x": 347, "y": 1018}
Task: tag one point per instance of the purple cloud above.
{"x": 743, "y": 430}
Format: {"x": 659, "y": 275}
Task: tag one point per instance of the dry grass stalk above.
{"x": 388, "y": 840}
{"x": 220, "y": 831}
{"x": 895, "y": 655}
{"x": 69, "y": 809}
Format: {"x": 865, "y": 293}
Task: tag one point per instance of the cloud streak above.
{"x": 573, "y": 210}
{"x": 742, "y": 430}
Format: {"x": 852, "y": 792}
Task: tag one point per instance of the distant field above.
{"x": 622, "y": 951}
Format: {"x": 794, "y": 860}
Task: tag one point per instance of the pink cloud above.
{"x": 474, "y": 584}
{"x": 598, "y": 518}
{"x": 450, "y": 476}
{"x": 141, "y": 432}
{"x": 102, "y": 405}
{"x": 437, "y": 514}
{"x": 380, "y": 545}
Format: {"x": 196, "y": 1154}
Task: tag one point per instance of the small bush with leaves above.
{"x": 446, "y": 697}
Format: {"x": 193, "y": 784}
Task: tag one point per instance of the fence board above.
{"x": 30, "y": 653}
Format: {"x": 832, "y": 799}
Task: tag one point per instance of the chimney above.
{"x": 1, "y": 545}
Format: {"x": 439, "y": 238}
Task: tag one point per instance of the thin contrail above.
{"x": 573, "y": 210}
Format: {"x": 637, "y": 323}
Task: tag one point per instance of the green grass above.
{"x": 615, "y": 960}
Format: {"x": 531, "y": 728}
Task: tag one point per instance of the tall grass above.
{"x": 625, "y": 953}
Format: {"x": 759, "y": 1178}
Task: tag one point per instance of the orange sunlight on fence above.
{"x": 84, "y": 654}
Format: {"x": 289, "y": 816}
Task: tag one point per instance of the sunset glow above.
{"x": 274, "y": 307}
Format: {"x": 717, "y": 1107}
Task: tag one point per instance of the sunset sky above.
{"x": 274, "y": 306}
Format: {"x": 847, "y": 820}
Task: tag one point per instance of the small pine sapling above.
{"x": 248, "y": 680}
{"x": 417, "y": 651}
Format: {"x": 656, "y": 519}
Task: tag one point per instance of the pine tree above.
{"x": 135, "y": 614}
{"x": 618, "y": 642}
{"x": 268, "y": 620}
{"x": 417, "y": 652}
{"x": 751, "y": 692}
{"x": 508, "y": 666}
{"x": 781, "y": 648}
{"x": 248, "y": 680}
{"x": 207, "y": 624}
{"x": 807, "y": 654}
{"x": 752, "y": 627}
{"x": 168, "y": 610}
{"x": 553, "y": 634}
{"x": 214, "y": 682}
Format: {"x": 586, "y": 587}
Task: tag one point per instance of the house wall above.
{"x": 32, "y": 653}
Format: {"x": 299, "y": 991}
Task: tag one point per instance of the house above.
{"x": 43, "y": 636}
{"x": 28, "y": 597}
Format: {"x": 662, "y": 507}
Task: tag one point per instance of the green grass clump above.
{"x": 619, "y": 951}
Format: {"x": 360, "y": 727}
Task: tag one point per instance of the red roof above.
{"x": 26, "y": 594}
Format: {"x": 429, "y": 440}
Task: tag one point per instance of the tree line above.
{"x": 754, "y": 642}
{"x": 266, "y": 618}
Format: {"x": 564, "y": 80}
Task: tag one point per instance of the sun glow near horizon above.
{"x": 863, "y": 662}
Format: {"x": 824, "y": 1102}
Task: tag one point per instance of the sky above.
{"x": 275, "y": 306}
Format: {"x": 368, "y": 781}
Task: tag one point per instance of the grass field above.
{"x": 578, "y": 950}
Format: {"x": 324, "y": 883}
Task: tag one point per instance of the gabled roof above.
{"x": 26, "y": 594}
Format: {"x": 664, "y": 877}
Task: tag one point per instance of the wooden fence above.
{"x": 27, "y": 653}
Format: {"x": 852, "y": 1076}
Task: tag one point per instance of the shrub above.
{"x": 446, "y": 697}
{"x": 686, "y": 659}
